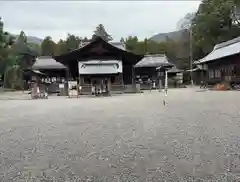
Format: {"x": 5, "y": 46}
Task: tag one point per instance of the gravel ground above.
{"x": 132, "y": 137}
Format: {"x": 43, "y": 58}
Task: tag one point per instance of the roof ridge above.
{"x": 226, "y": 43}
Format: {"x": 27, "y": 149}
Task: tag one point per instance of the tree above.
{"x": 156, "y": 48}
{"x": 186, "y": 21}
{"x": 48, "y": 47}
{"x": 72, "y": 42}
{"x": 7, "y": 59}
{"x": 236, "y": 13}
{"x": 3, "y": 52}
{"x": 15, "y": 56}
{"x": 60, "y": 47}
{"x": 101, "y": 32}
{"x": 179, "y": 51}
{"x": 213, "y": 24}
{"x": 85, "y": 39}
{"x": 35, "y": 48}
{"x": 131, "y": 43}
{"x": 122, "y": 40}
{"x": 21, "y": 56}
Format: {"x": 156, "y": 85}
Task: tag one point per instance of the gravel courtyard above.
{"x": 131, "y": 137}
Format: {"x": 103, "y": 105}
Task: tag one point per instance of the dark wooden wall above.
{"x": 225, "y": 69}
{"x": 128, "y": 74}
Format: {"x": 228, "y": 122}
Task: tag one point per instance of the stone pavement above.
{"x": 132, "y": 137}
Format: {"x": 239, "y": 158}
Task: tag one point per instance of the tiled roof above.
{"x": 229, "y": 48}
{"x": 174, "y": 69}
{"x": 46, "y": 62}
{"x": 153, "y": 61}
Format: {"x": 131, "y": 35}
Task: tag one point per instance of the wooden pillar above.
{"x": 122, "y": 82}
{"x": 121, "y": 76}
{"x": 133, "y": 80}
{"x": 79, "y": 87}
{"x": 79, "y": 84}
{"x": 133, "y": 77}
{"x": 109, "y": 85}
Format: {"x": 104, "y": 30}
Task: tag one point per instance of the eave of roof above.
{"x": 174, "y": 69}
{"x": 225, "y": 49}
{"x": 46, "y": 62}
{"x": 153, "y": 61}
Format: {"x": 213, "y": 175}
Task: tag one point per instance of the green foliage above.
{"x": 177, "y": 52}
{"x": 15, "y": 56}
{"x": 35, "y": 49}
{"x": 145, "y": 47}
{"x": 60, "y": 47}
{"x": 185, "y": 22}
{"x": 100, "y": 31}
{"x": 212, "y": 24}
{"x": 48, "y": 47}
{"x": 3, "y": 51}
{"x": 72, "y": 42}
{"x": 131, "y": 43}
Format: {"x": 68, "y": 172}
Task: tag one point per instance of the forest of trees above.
{"x": 132, "y": 43}
{"x": 215, "y": 21}
{"x": 15, "y": 56}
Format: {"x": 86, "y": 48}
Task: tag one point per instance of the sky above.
{"x": 120, "y": 18}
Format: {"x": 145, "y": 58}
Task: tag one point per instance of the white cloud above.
{"x": 120, "y": 18}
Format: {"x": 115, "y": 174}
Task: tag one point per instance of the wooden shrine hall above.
{"x": 101, "y": 66}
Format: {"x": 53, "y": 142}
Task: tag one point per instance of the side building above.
{"x": 48, "y": 73}
{"x": 148, "y": 72}
{"x": 223, "y": 63}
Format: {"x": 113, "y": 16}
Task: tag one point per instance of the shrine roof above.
{"x": 222, "y": 50}
{"x": 99, "y": 49}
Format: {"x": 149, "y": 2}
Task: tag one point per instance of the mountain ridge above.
{"x": 160, "y": 37}
{"x": 174, "y": 35}
{"x": 32, "y": 39}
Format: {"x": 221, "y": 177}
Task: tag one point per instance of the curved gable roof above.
{"x": 225, "y": 49}
{"x": 47, "y": 62}
{"x": 153, "y": 61}
{"x": 79, "y": 53}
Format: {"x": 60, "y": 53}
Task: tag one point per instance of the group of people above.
{"x": 151, "y": 83}
{"x": 36, "y": 92}
{"x": 100, "y": 89}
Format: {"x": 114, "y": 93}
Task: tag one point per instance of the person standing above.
{"x": 150, "y": 84}
{"x": 154, "y": 85}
